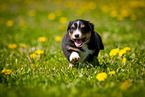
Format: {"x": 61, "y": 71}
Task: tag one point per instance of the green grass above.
{"x": 49, "y": 73}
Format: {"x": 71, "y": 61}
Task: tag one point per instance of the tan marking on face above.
{"x": 82, "y": 26}
{"x": 71, "y": 35}
{"x": 73, "y": 26}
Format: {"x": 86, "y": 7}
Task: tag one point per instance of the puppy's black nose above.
{"x": 77, "y": 36}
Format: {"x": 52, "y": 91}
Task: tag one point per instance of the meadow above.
{"x": 33, "y": 65}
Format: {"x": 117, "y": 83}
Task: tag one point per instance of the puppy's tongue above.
{"x": 78, "y": 42}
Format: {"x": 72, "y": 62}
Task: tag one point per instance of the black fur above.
{"x": 95, "y": 42}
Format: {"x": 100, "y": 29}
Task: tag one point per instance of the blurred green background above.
{"x": 118, "y": 22}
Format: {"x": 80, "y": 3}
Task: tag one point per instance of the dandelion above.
{"x": 124, "y": 13}
{"x": 32, "y": 13}
{"x": 63, "y": 20}
{"x": 7, "y": 71}
{"x": 12, "y": 46}
{"x": 51, "y": 16}
{"x": 58, "y": 38}
{"x": 124, "y": 60}
{"x": 42, "y": 39}
{"x": 10, "y": 23}
{"x": 39, "y": 51}
{"x": 22, "y": 45}
{"x": 125, "y": 85}
{"x": 114, "y": 13}
{"x": 4, "y": 70}
{"x": 33, "y": 56}
{"x": 112, "y": 72}
{"x": 113, "y": 52}
{"x": 121, "y": 52}
{"x": 127, "y": 48}
{"x": 101, "y": 76}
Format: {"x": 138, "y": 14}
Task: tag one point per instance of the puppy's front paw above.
{"x": 74, "y": 57}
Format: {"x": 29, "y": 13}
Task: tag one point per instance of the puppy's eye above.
{"x": 73, "y": 28}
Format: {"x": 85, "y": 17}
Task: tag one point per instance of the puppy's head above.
{"x": 80, "y": 31}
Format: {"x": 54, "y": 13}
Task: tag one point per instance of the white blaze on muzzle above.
{"x": 77, "y": 34}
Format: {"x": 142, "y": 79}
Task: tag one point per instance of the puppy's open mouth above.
{"x": 79, "y": 42}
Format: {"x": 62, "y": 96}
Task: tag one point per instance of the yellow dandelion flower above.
{"x": 32, "y": 13}
{"x": 124, "y": 60}
{"x": 114, "y": 13}
{"x": 133, "y": 17}
{"x": 22, "y": 45}
{"x": 124, "y": 13}
{"x": 121, "y": 52}
{"x": 22, "y": 23}
{"x": 125, "y": 85}
{"x": 39, "y": 51}
{"x": 112, "y": 72}
{"x": 51, "y": 16}
{"x": 113, "y": 52}
{"x": 33, "y": 56}
{"x": 127, "y": 48}
{"x": 10, "y": 23}
{"x": 58, "y": 38}
{"x": 63, "y": 20}
{"x": 12, "y": 46}
{"x": 42, "y": 39}
{"x": 101, "y": 76}
{"x": 6, "y": 71}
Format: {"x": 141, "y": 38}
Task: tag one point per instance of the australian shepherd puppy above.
{"x": 81, "y": 43}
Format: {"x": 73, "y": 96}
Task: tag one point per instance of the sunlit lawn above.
{"x": 32, "y": 63}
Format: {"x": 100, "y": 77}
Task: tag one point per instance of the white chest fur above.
{"x": 84, "y": 54}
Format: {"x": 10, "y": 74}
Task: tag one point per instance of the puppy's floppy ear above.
{"x": 70, "y": 23}
{"x": 91, "y": 26}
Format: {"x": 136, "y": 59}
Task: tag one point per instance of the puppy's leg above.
{"x": 71, "y": 65}
{"x": 74, "y": 58}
